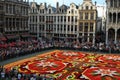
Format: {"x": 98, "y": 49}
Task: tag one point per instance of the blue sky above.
{"x": 67, "y": 2}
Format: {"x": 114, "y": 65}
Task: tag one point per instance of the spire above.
{"x": 33, "y": 0}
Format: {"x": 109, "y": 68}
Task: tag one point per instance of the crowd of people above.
{"x": 15, "y": 75}
{"x": 21, "y": 48}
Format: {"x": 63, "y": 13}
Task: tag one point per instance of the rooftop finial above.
{"x": 95, "y": 3}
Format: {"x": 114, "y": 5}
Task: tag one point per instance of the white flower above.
{"x": 46, "y": 64}
{"x": 70, "y": 54}
{"x": 106, "y": 72}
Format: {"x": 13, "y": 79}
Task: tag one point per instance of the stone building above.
{"x": 1, "y": 16}
{"x": 113, "y": 21}
{"x": 15, "y": 17}
{"x": 87, "y": 21}
{"x": 64, "y": 22}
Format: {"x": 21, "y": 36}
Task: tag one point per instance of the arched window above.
{"x": 111, "y": 3}
{"x": 49, "y": 11}
{"x": 87, "y": 7}
{"x": 91, "y": 7}
{"x": 72, "y": 11}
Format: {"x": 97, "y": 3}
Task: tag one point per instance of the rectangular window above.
{"x": 71, "y": 27}
{"x": 46, "y": 18}
{"x": 87, "y": 7}
{"x": 61, "y": 27}
{"x": 86, "y": 15}
{"x": 81, "y": 27}
{"x": 61, "y": 18}
{"x": 54, "y": 18}
{"x": 33, "y": 19}
{"x": 58, "y": 18}
{"x": 92, "y": 15}
{"x": 54, "y": 27}
{"x": 81, "y": 15}
{"x": 58, "y": 27}
{"x": 72, "y": 19}
{"x": 91, "y": 27}
{"x": 36, "y": 18}
{"x": 75, "y": 27}
{"x": 68, "y": 28}
{"x": 72, "y": 11}
{"x": 40, "y": 18}
{"x": 64, "y": 27}
{"x": 40, "y": 27}
{"x": 43, "y": 19}
{"x": 64, "y": 18}
{"x": 75, "y": 18}
{"x": 68, "y": 18}
{"x": 91, "y": 37}
{"x": 86, "y": 27}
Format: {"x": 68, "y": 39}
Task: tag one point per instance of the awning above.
{"x": 3, "y": 45}
{"x": 20, "y": 43}
{"x": 3, "y": 38}
{"x": 12, "y": 36}
{"x": 13, "y": 44}
{"x": 25, "y": 35}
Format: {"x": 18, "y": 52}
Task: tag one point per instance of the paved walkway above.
{"x": 22, "y": 57}
{"x": 34, "y": 54}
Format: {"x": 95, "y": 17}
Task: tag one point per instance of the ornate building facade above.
{"x": 87, "y": 21}
{"x": 113, "y": 21}
{"x": 62, "y": 22}
{"x": 1, "y": 16}
{"x": 15, "y": 17}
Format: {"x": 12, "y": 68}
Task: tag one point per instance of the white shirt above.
{"x": 2, "y": 74}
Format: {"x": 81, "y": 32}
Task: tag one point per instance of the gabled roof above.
{"x": 64, "y": 7}
{"x": 75, "y": 5}
{"x": 34, "y": 5}
{"x": 54, "y": 9}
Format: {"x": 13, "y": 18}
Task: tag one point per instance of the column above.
{"x": 115, "y": 36}
{"x": 8, "y": 28}
{"x": 106, "y": 37}
{"x": 93, "y": 38}
{"x": 108, "y": 19}
{"x": 88, "y": 32}
{"x": 83, "y": 36}
{"x": 116, "y": 18}
{"x": 88, "y": 38}
{"x": 20, "y": 25}
{"x": 66, "y": 29}
{"x": 12, "y": 23}
{"x": 117, "y": 3}
{"x": 38, "y": 32}
{"x": 113, "y": 4}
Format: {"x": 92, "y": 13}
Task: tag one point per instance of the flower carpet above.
{"x": 70, "y": 65}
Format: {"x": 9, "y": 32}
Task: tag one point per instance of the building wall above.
{"x": 87, "y": 21}
{"x": 113, "y": 21}
{"x": 1, "y": 16}
{"x": 16, "y": 16}
{"x": 62, "y": 22}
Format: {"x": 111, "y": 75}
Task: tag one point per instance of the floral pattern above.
{"x": 70, "y": 65}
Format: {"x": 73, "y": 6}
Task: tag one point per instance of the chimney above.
{"x": 57, "y": 6}
{"x": 45, "y": 4}
{"x": 95, "y": 3}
